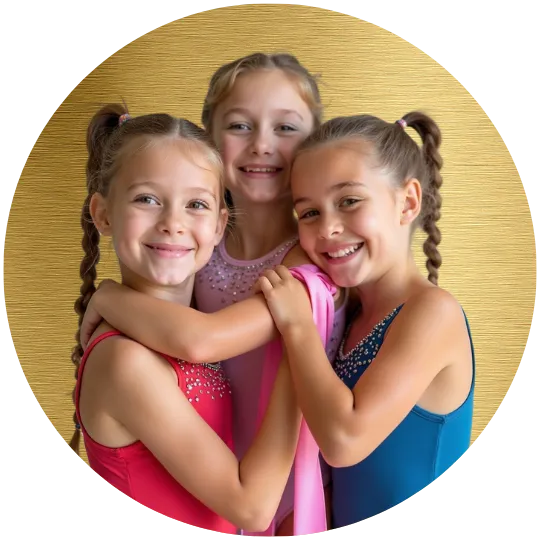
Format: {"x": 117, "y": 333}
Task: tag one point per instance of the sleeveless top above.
{"x": 222, "y": 282}
{"x": 419, "y": 450}
{"x": 135, "y": 471}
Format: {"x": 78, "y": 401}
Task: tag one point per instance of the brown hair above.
{"x": 110, "y": 137}
{"x": 398, "y": 153}
{"x": 223, "y": 80}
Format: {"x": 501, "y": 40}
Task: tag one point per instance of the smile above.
{"x": 169, "y": 251}
{"x": 344, "y": 252}
{"x": 259, "y": 170}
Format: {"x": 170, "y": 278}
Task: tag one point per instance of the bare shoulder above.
{"x": 124, "y": 362}
{"x": 296, "y": 256}
{"x": 431, "y": 315}
{"x": 433, "y": 303}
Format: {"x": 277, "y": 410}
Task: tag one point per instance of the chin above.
{"x": 345, "y": 279}
{"x": 170, "y": 281}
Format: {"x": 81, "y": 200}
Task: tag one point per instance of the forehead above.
{"x": 265, "y": 91}
{"x": 170, "y": 162}
{"x": 348, "y": 157}
{"x": 328, "y": 164}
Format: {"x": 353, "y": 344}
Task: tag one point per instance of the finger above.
{"x": 272, "y": 276}
{"x": 283, "y": 272}
{"x": 264, "y": 284}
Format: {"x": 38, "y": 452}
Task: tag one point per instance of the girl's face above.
{"x": 353, "y": 222}
{"x": 257, "y": 129}
{"x": 163, "y": 213}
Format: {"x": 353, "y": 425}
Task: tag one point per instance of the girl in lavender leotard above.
{"x": 258, "y": 110}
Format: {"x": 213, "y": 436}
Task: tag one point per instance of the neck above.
{"x": 393, "y": 288}
{"x": 179, "y": 294}
{"x": 259, "y": 228}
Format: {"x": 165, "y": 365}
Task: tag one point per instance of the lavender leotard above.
{"x": 225, "y": 281}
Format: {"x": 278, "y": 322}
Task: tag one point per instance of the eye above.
{"x": 308, "y": 214}
{"x": 287, "y": 128}
{"x": 348, "y": 202}
{"x": 239, "y": 126}
{"x": 198, "y": 205}
{"x": 146, "y": 199}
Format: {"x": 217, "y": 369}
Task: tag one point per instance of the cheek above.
{"x": 307, "y": 237}
{"x": 289, "y": 145}
{"x": 229, "y": 149}
{"x": 204, "y": 231}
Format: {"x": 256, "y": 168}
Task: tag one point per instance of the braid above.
{"x": 432, "y": 200}
{"x": 90, "y": 245}
{"x": 434, "y": 162}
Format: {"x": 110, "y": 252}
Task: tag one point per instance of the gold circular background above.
{"x": 488, "y": 244}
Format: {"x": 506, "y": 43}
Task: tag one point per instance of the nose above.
{"x": 172, "y": 222}
{"x": 330, "y": 226}
{"x": 262, "y": 142}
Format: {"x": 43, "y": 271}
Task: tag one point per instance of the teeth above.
{"x": 264, "y": 170}
{"x": 344, "y": 252}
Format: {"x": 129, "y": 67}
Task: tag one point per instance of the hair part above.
{"x": 110, "y": 139}
{"x": 397, "y": 153}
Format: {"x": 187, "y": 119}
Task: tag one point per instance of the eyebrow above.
{"x": 138, "y": 185}
{"x": 240, "y": 110}
{"x": 332, "y": 189}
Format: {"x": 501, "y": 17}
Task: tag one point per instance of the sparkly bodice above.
{"x": 225, "y": 280}
{"x": 349, "y": 367}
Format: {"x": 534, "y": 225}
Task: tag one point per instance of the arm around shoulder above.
{"x": 183, "y": 332}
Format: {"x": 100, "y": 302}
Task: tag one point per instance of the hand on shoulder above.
{"x": 298, "y": 257}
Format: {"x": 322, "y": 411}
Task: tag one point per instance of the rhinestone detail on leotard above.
{"x": 204, "y": 381}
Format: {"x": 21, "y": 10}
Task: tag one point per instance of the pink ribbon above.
{"x": 309, "y": 502}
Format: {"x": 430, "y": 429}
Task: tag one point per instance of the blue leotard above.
{"x": 419, "y": 450}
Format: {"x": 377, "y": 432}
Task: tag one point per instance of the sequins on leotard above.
{"x": 233, "y": 282}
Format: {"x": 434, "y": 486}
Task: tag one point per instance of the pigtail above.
{"x": 102, "y": 126}
{"x": 431, "y": 204}
{"x": 88, "y": 271}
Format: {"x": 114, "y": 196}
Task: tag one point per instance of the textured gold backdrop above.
{"x": 488, "y": 244}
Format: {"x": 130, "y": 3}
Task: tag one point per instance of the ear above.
{"x": 221, "y": 225}
{"x": 100, "y": 215}
{"x": 411, "y": 202}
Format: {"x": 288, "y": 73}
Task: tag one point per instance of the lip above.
{"x": 346, "y": 258}
{"x": 258, "y": 174}
{"x": 168, "y": 251}
{"x": 331, "y": 248}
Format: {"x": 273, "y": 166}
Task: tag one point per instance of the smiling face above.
{"x": 353, "y": 221}
{"x": 257, "y": 129}
{"x": 163, "y": 213}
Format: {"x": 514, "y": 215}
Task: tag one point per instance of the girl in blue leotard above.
{"x": 395, "y": 411}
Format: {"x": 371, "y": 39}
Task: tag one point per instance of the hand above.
{"x": 92, "y": 318}
{"x": 287, "y": 299}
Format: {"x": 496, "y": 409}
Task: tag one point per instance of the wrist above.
{"x": 299, "y": 331}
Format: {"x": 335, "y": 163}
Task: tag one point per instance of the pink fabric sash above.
{"x": 309, "y": 503}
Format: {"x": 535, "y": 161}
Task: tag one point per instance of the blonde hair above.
{"x": 223, "y": 80}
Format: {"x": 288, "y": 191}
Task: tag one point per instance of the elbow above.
{"x": 258, "y": 523}
{"x": 343, "y": 451}
{"x": 194, "y": 353}
{"x": 254, "y": 519}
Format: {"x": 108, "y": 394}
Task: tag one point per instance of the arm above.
{"x": 349, "y": 424}
{"x": 181, "y": 331}
{"x": 178, "y": 330}
{"x": 144, "y": 397}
